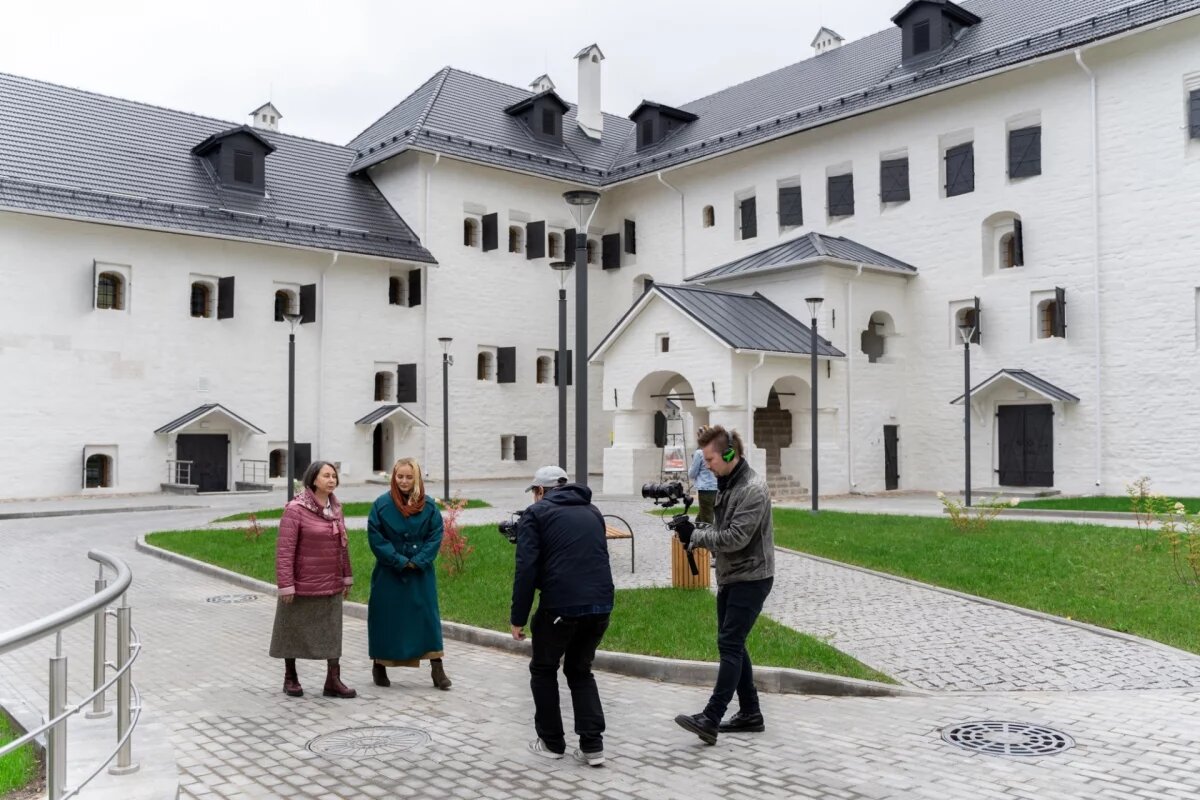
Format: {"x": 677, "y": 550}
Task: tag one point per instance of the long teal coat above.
{"x": 403, "y": 621}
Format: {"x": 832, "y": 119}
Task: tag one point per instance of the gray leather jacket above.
{"x": 742, "y": 537}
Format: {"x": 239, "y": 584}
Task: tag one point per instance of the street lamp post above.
{"x": 966, "y": 330}
{"x": 447, "y": 360}
{"x": 293, "y": 320}
{"x": 583, "y": 206}
{"x": 814, "y": 308}
{"x": 560, "y": 358}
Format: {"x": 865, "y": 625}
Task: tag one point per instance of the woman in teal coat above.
{"x": 404, "y": 626}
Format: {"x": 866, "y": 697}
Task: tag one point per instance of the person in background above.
{"x": 704, "y": 482}
{"x": 312, "y": 572}
{"x": 404, "y": 624}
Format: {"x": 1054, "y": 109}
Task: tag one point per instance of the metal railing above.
{"x": 129, "y": 701}
{"x": 259, "y": 470}
{"x": 179, "y": 472}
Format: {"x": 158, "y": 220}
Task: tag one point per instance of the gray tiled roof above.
{"x": 742, "y": 321}
{"x": 383, "y": 412}
{"x": 811, "y": 248}
{"x": 460, "y": 114}
{"x": 1027, "y": 379}
{"x": 65, "y": 151}
{"x": 203, "y": 411}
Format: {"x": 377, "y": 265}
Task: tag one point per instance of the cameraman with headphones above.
{"x": 742, "y": 541}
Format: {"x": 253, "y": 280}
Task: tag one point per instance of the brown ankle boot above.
{"x": 291, "y": 682}
{"x": 379, "y": 674}
{"x": 439, "y": 675}
{"x": 333, "y": 682}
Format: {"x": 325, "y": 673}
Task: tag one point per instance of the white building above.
{"x": 1043, "y": 158}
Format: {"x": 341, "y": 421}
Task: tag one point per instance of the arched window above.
{"x": 383, "y": 386}
{"x": 591, "y": 251}
{"x": 554, "y": 246}
{"x": 874, "y": 338}
{"x": 470, "y": 232}
{"x": 277, "y": 463}
{"x": 708, "y": 217}
{"x": 516, "y": 239}
{"x": 201, "y": 299}
{"x": 1047, "y": 309}
{"x": 110, "y": 291}
{"x": 545, "y": 369}
{"x": 98, "y": 472}
{"x": 285, "y": 303}
{"x": 485, "y": 366}
{"x": 397, "y": 291}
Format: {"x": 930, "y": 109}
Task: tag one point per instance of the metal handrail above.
{"x": 52, "y": 623}
{"x": 137, "y": 707}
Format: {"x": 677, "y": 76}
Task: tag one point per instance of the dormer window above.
{"x": 550, "y": 119}
{"x": 930, "y": 26}
{"x": 655, "y": 122}
{"x": 920, "y": 37}
{"x": 542, "y": 114}
{"x": 243, "y": 166}
{"x": 236, "y": 158}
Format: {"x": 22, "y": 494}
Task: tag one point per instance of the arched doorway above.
{"x": 654, "y": 436}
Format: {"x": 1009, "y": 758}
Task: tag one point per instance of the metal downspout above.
{"x": 1096, "y": 266}
{"x": 321, "y": 320}
{"x": 427, "y": 298}
{"x": 682, "y": 233}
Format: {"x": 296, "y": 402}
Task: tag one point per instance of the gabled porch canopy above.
{"x": 1025, "y": 380}
{"x": 384, "y": 412}
{"x": 210, "y": 410}
{"x": 808, "y": 250}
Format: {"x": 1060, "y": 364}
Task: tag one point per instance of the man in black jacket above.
{"x": 562, "y": 552}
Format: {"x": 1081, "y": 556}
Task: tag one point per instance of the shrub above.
{"x": 455, "y": 547}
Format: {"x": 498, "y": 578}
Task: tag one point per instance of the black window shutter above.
{"x": 506, "y": 365}
{"x": 791, "y": 210}
{"x": 569, "y": 246}
{"x": 491, "y": 232}
{"x": 660, "y": 429}
{"x": 960, "y": 169}
{"x": 1060, "y": 312}
{"x": 630, "y": 237}
{"x": 520, "y": 448}
{"x": 301, "y": 458}
{"x": 749, "y": 212}
{"x": 978, "y": 323}
{"x": 893, "y": 181}
{"x": 1025, "y": 152}
{"x": 569, "y": 371}
{"x": 225, "y": 298}
{"x": 1194, "y": 113}
{"x": 414, "y": 288}
{"x": 1018, "y": 244}
{"x": 611, "y": 251}
{"x": 406, "y": 383}
{"x": 535, "y": 240}
{"x": 841, "y": 195}
{"x": 308, "y": 303}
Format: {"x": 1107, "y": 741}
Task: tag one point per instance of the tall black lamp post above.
{"x": 814, "y": 308}
{"x": 293, "y": 320}
{"x": 966, "y": 330}
{"x": 447, "y": 360}
{"x": 560, "y": 358}
{"x": 583, "y": 206}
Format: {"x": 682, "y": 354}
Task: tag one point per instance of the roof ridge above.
{"x": 433, "y": 98}
{"x": 441, "y": 73}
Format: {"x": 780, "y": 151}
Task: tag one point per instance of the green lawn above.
{"x": 674, "y": 623}
{"x": 348, "y": 510}
{"x": 1091, "y": 573}
{"x": 1121, "y": 503}
{"x": 17, "y": 769}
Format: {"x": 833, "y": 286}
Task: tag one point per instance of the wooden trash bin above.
{"x": 681, "y": 573}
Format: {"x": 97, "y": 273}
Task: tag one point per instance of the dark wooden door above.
{"x": 1026, "y": 439}
{"x": 209, "y": 454}
{"x": 377, "y": 449}
{"x": 891, "y": 457}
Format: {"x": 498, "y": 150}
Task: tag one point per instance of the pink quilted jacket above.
{"x": 311, "y": 556}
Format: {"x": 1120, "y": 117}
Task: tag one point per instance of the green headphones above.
{"x": 729, "y": 454}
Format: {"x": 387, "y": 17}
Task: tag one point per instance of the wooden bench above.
{"x": 617, "y": 528}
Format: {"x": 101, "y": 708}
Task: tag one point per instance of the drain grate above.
{"x": 229, "y": 599}
{"x": 1019, "y": 739}
{"x": 367, "y": 742}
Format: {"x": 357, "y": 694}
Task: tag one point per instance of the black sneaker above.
{"x": 700, "y": 725}
{"x": 741, "y": 722}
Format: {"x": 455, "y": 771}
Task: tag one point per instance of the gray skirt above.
{"x": 308, "y": 627}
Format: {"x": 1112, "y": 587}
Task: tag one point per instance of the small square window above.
{"x": 664, "y": 343}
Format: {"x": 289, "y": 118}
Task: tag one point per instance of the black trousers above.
{"x": 738, "y": 607}
{"x": 572, "y": 640}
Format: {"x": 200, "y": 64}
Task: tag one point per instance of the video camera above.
{"x": 508, "y": 527}
{"x": 667, "y": 495}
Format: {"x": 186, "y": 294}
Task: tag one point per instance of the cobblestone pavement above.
{"x": 205, "y": 674}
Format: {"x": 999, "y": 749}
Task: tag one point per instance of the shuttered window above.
{"x": 893, "y": 180}
{"x": 506, "y": 365}
{"x": 610, "y": 255}
{"x": 630, "y": 237}
{"x": 491, "y": 232}
{"x": 1025, "y": 152}
{"x": 406, "y": 383}
{"x": 791, "y": 209}
{"x": 960, "y": 169}
{"x": 1194, "y": 113}
{"x": 748, "y": 216}
{"x": 841, "y": 195}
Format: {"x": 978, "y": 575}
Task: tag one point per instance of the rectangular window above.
{"x": 748, "y": 217}
{"x": 960, "y": 169}
{"x": 920, "y": 33}
{"x": 1194, "y": 113}
{"x": 645, "y": 132}
{"x": 507, "y": 448}
{"x": 841, "y": 195}
{"x": 791, "y": 209}
{"x": 893, "y": 180}
{"x": 243, "y": 166}
{"x": 1025, "y": 152}
{"x": 549, "y": 122}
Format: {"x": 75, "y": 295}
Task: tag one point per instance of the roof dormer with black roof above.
{"x": 542, "y": 114}
{"x": 930, "y": 26}
{"x": 238, "y": 158}
{"x": 656, "y": 122}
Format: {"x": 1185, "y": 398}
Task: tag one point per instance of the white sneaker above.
{"x": 595, "y": 759}
{"x": 539, "y": 748}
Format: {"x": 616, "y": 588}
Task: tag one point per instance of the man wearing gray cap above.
{"x": 562, "y": 553}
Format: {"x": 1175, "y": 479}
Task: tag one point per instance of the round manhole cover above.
{"x": 227, "y": 599}
{"x": 367, "y": 742}
{"x": 1008, "y": 738}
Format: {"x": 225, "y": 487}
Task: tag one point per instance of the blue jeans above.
{"x": 738, "y": 607}
{"x": 573, "y": 641}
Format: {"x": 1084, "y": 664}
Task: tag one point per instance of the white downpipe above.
{"x": 682, "y": 230}
{"x": 321, "y": 318}
{"x": 750, "y": 404}
{"x": 426, "y": 299}
{"x": 1096, "y": 266}
{"x": 850, "y": 380}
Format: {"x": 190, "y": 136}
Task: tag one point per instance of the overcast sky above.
{"x": 332, "y": 68}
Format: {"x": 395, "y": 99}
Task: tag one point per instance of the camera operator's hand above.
{"x": 683, "y": 530}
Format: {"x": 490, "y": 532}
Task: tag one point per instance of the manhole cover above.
{"x": 367, "y": 742}
{"x": 1008, "y": 738}
{"x": 226, "y": 599}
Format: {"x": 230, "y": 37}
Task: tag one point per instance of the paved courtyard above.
{"x": 1132, "y": 709}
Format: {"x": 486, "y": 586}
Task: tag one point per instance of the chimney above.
{"x": 540, "y": 84}
{"x": 266, "y": 117}
{"x": 826, "y": 40}
{"x": 587, "y": 112}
